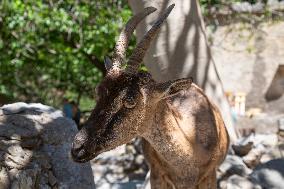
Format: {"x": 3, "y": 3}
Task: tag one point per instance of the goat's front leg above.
{"x": 208, "y": 182}
{"x": 158, "y": 178}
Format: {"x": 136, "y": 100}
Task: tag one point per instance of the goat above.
{"x": 183, "y": 133}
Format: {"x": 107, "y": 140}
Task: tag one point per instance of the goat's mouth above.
{"x": 81, "y": 154}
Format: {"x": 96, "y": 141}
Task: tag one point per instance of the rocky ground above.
{"x": 254, "y": 162}
{"x": 121, "y": 168}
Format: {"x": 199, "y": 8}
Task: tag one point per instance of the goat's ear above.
{"x": 108, "y": 63}
{"x": 171, "y": 88}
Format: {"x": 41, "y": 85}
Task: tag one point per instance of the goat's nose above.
{"x": 78, "y": 151}
{"x": 79, "y": 139}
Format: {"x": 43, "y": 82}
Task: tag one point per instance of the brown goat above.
{"x": 184, "y": 137}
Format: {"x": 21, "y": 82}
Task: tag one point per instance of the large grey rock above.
{"x": 35, "y": 142}
{"x": 270, "y": 175}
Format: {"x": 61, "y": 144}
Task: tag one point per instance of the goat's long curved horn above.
{"x": 124, "y": 37}
{"x": 139, "y": 52}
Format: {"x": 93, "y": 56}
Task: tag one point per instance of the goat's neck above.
{"x": 166, "y": 135}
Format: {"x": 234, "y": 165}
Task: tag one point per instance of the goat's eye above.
{"x": 129, "y": 103}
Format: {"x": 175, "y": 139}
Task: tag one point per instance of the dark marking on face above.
{"x": 119, "y": 100}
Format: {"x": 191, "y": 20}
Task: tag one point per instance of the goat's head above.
{"x": 124, "y": 97}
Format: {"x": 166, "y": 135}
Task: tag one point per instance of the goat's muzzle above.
{"x": 80, "y": 155}
{"x": 78, "y": 150}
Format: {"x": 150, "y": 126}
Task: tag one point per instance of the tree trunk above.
{"x": 181, "y": 50}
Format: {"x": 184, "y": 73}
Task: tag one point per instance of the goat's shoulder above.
{"x": 193, "y": 111}
{"x": 192, "y": 101}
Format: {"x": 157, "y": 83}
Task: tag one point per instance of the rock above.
{"x": 42, "y": 160}
{"x": 20, "y": 107}
{"x": 242, "y": 150}
{"x": 238, "y": 182}
{"x": 281, "y": 124}
{"x": 266, "y": 139}
{"x": 31, "y": 143}
{"x": 272, "y": 153}
{"x": 44, "y": 186}
{"x": 35, "y": 143}
{"x": 51, "y": 179}
{"x": 17, "y": 157}
{"x": 146, "y": 184}
{"x": 269, "y": 140}
{"x": 123, "y": 167}
{"x": 253, "y": 157}
{"x": 233, "y": 165}
{"x": 128, "y": 185}
{"x": 270, "y": 174}
{"x": 4, "y": 178}
{"x": 281, "y": 127}
{"x": 25, "y": 179}
{"x": 139, "y": 159}
{"x": 14, "y": 108}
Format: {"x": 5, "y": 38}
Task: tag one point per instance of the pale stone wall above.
{"x": 247, "y": 59}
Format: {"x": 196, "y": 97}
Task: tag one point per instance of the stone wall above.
{"x": 247, "y": 58}
{"x": 35, "y": 142}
